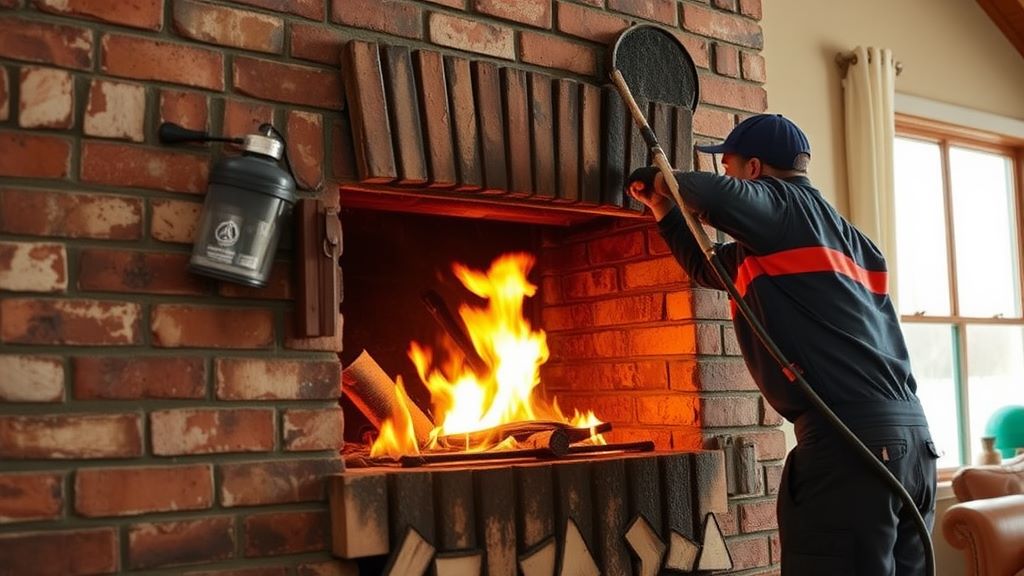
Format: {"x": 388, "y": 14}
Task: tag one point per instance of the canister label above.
{"x": 225, "y": 235}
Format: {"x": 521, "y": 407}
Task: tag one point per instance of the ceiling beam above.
{"x": 1008, "y": 15}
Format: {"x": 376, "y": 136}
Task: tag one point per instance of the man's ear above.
{"x": 755, "y": 168}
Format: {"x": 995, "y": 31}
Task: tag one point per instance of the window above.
{"x": 958, "y": 231}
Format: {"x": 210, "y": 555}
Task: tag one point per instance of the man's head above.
{"x": 765, "y": 144}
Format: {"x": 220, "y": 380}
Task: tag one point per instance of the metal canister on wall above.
{"x": 246, "y": 202}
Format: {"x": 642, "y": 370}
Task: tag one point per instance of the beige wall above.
{"x": 951, "y": 52}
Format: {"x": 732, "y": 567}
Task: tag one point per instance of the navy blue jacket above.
{"x": 817, "y": 284}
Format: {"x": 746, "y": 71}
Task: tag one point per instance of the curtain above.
{"x": 868, "y": 95}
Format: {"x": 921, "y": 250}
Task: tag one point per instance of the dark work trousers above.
{"x": 837, "y": 517}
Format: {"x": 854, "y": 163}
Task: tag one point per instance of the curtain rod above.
{"x": 847, "y": 59}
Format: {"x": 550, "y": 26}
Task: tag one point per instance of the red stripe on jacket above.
{"x": 807, "y": 260}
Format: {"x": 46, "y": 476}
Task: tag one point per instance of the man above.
{"x": 818, "y": 285}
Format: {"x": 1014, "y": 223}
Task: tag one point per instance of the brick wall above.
{"x": 150, "y": 419}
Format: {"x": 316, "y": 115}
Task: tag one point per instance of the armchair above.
{"x": 987, "y": 523}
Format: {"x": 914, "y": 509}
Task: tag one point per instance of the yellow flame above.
{"x": 465, "y": 401}
{"x": 397, "y": 436}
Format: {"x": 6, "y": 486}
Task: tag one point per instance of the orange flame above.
{"x": 466, "y": 402}
{"x": 397, "y": 436}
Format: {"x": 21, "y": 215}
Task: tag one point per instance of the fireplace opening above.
{"x": 390, "y": 260}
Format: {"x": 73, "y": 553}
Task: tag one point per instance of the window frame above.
{"x": 947, "y": 135}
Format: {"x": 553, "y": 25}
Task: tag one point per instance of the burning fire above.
{"x": 466, "y": 402}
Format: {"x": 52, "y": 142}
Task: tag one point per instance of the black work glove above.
{"x": 641, "y": 181}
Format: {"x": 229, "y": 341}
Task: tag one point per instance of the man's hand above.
{"x": 647, "y": 185}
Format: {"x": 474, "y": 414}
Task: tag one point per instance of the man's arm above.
{"x": 751, "y": 211}
{"x": 688, "y": 253}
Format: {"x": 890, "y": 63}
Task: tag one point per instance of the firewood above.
{"x": 440, "y": 311}
{"x": 373, "y": 392}
{"x": 539, "y": 561}
{"x": 557, "y": 441}
{"x": 412, "y": 558}
{"x": 458, "y": 564}
{"x": 359, "y": 515}
{"x": 646, "y": 545}
{"x": 682, "y": 553}
{"x": 520, "y": 431}
{"x": 576, "y": 557}
{"x": 714, "y": 554}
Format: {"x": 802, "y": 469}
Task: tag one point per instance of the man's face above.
{"x": 739, "y": 167}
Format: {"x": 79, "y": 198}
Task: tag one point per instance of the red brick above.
{"x": 5, "y": 96}
{"x": 724, "y": 375}
{"x": 34, "y": 155}
{"x": 331, "y": 567}
{"x": 676, "y": 409}
{"x": 116, "y": 110}
{"x": 316, "y": 43}
{"x": 393, "y": 17}
{"x": 752, "y": 66}
{"x": 593, "y": 25}
{"x": 259, "y": 571}
{"x": 758, "y": 516}
{"x": 76, "y": 436}
{"x": 46, "y": 98}
{"x": 663, "y": 11}
{"x": 713, "y": 123}
{"x": 175, "y": 221}
{"x": 590, "y": 283}
{"x": 628, "y": 310}
{"x": 187, "y": 109}
{"x": 286, "y": 533}
{"x": 727, "y": 5}
{"x": 556, "y": 52}
{"x": 679, "y": 305}
{"x": 709, "y": 339}
{"x": 654, "y": 272}
{"x": 718, "y": 91}
{"x": 145, "y": 14}
{"x": 697, "y": 48}
{"x": 261, "y": 483}
{"x": 769, "y": 417}
{"x": 31, "y": 378}
{"x": 471, "y": 35}
{"x": 682, "y": 375}
{"x": 123, "y": 491}
{"x": 716, "y": 24}
{"x": 175, "y": 326}
{"x": 749, "y": 553}
{"x": 551, "y": 290}
{"x": 70, "y": 322}
{"x": 115, "y": 164}
{"x": 27, "y": 497}
{"x": 306, "y": 148}
{"x": 603, "y": 344}
{"x": 185, "y": 431}
{"x": 245, "y": 117}
{"x": 772, "y": 479}
{"x": 160, "y": 544}
{"x": 65, "y": 46}
{"x": 312, "y": 9}
{"x": 732, "y": 346}
{"x": 530, "y": 12}
{"x": 288, "y": 83}
{"x": 613, "y": 248}
{"x": 137, "y": 378}
{"x": 313, "y": 429}
{"x": 645, "y": 375}
{"x": 564, "y": 258}
{"x": 277, "y": 379}
{"x": 134, "y": 271}
{"x": 618, "y": 408}
{"x": 70, "y": 215}
{"x": 655, "y": 243}
{"x": 727, "y": 60}
{"x": 145, "y": 59}
{"x": 751, "y": 8}
{"x": 67, "y": 553}
{"x": 729, "y": 411}
{"x": 711, "y": 304}
{"x": 775, "y": 547}
{"x": 229, "y": 26}
{"x": 33, "y": 267}
{"x": 771, "y": 445}
{"x": 662, "y": 340}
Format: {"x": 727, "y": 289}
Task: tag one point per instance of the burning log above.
{"x": 552, "y": 444}
{"x": 439, "y": 310}
{"x": 373, "y": 392}
{"x": 521, "y": 431}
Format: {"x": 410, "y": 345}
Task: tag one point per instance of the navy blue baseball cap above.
{"x": 771, "y": 137}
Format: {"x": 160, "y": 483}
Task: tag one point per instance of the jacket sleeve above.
{"x": 687, "y": 251}
{"x": 751, "y": 211}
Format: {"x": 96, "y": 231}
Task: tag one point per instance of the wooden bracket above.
{"x": 318, "y": 277}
